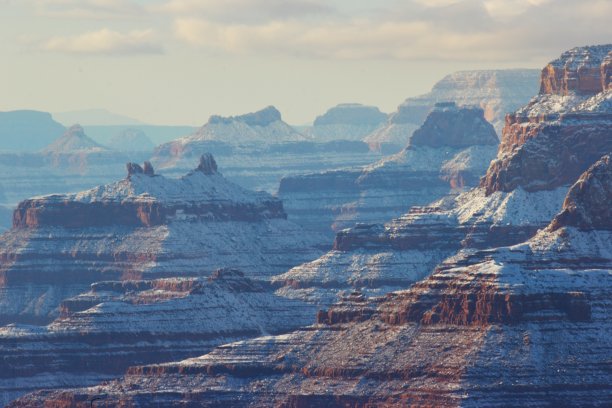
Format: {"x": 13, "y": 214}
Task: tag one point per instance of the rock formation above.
{"x": 347, "y": 121}
{"x": 143, "y": 226}
{"x": 524, "y": 325}
{"x": 258, "y": 149}
{"x": 114, "y": 325}
{"x": 497, "y": 92}
{"x": 449, "y": 152}
{"x": 27, "y": 130}
{"x": 545, "y": 147}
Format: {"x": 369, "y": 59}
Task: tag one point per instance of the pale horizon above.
{"x": 177, "y": 62}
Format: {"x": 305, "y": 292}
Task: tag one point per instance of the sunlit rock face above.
{"x": 144, "y": 226}
{"x": 497, "y": 92}
{"x": 116, "y": 324}
{"x": 448, "y": 154}
{"x": 523, "y": 325}
{"x": 545, "y": 147}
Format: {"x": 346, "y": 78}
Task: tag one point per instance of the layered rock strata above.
{"x": 525, "y": 325}
{"x": 497, "y": 92}
{"x": 118, "y": 324}
{"x": 447, "y": 154}
{"x": 145, "y": 226}
{"x": 256, "y": 150}
{"x": 545, "y": 147}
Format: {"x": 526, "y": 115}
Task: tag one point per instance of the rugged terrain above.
{"x": 497, "y": 92}
{"x": 524, "y": 325}
{"x": 545, "y": 146}
{"x": 447, "y": 154}
{"x": 144, "y": 226}
{"x": 257, "y": 149}
{"x": 121, "y": 323}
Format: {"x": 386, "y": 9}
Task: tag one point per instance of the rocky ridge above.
{"x": 522, "y": 325}
{"x": 122, "y": 323}
{"x": 448, "y": 153}
{"x": 258, "y": 149}
{"x": 497, "y": 92}
{"x": 543, "y": 150}
{"x": 142, "y": 227}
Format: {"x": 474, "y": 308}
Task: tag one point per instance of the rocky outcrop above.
{"x": 27, "y": 130}
{"x": 553, "y": 139}
{"x": 587, "y": 204}
{"x": 524, "y": 325}
{"x": 347, "y": 121}
{"x": 544, "y": 149}
{"x": 448, "y": 153}
{"x": 144, "y": 226}
{"x": 114, "y": 325}
{"x": 497, "y": 92}
{"x": 583, "y": 70}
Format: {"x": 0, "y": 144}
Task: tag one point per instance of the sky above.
{"x": 179, "y": 61}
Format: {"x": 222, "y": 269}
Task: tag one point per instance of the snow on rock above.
{"x": 450, "y": 152}
{"x": 497, "y": 92}
{"x": 524, "y": 187}
{"x": 114, "y": 325}
{"x": 347, "y": 121}
{"x": 524, "y": 325}
{"x": 145, "y": 226}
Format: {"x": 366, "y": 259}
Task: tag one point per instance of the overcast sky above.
{"x": 179, "y": 61}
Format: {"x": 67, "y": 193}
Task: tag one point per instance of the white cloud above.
{"x": 245, "y": 10}
{"x": 468, "y": 30}
{"x": 89, "y": 9}
{"x": 105, "y": 42}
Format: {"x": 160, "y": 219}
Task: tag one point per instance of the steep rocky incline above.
{"x": 145, "y": 226}
{"x": 526, "y": 325}
{"x": 347, "y": 121}
{"x": 118, "y": 324}
{"x": 497, "y": 92}
{"x": 543, "y": 150}
{"x": 447, "y": 154}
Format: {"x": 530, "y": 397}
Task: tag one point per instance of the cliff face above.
{"x": 449, "y": 152}
{"x": 100, "y": 333}
{"x": 143, "y": 226}
{"x": 545, "y": 147}
{"x": 497, "y": 92}
{"x": 553, "y": 139}
{"x": 524, "y": 325}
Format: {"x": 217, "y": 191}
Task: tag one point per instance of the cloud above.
{"x": 105, "y": 42}
{"x": 89, "y": 9}
{"x": 453, "y": 30}
{"x": 246, "y": 10}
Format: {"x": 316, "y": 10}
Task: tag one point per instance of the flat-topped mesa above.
{"x": 262, "y": 117}
{"x": 587, "y": 205}
{"x": 449, "y": 125}
{"x": 584, "y": 70}
{"x": 563, "y": 130}
{"x": 144, "y": 200}
{"x": 351, "y": 114}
